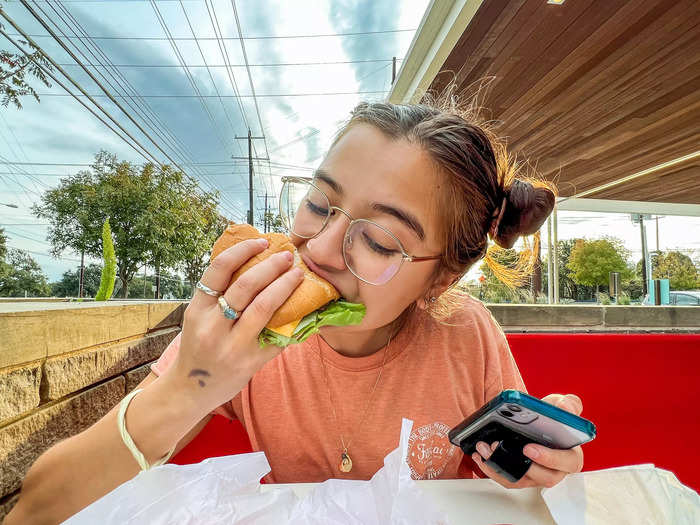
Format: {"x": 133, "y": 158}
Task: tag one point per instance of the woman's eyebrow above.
{"x": 407, "y": 218}
{"x": 323, "y": 175}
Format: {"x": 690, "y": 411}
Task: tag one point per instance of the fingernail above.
{"x": 476, "y": 457}
{"x": 288, "y": 256}
{"x": 531, "y": 451}
{"x": 483, "y": 449}
{"x": 263, "y": 243}
{"x": 298, "y": 273}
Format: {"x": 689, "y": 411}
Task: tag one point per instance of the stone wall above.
{"x": 63, "y": 366}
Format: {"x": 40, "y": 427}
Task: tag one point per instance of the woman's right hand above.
{"x": 218, "y": 356}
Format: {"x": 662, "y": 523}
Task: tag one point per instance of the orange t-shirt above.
{"x": 435, "y": 374}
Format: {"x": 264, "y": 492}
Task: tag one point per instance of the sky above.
{"x": 58, "y": 137}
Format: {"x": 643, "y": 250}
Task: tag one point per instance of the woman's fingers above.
{"x": 218, "y": 274}
{"x": 258, "y": 313}
{"x": 549, "y": 466}
{"x": 244, "y": 289}
{"x": 521, "y": 484}
{"x": 568, "y": 461}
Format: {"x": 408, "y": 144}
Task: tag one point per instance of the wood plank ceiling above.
{"x": 592, "y": 90}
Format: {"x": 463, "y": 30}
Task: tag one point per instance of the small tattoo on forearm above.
{"x": 199, "y": 372}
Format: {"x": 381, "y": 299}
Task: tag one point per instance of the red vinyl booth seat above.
{"x": 641, "y": 391}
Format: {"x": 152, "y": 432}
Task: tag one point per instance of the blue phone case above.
{"x": 515, "y": 419}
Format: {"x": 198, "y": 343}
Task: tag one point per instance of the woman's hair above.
{"x": 479, "y": 178}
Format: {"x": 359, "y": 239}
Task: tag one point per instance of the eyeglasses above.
{"x": 371, "y": 252}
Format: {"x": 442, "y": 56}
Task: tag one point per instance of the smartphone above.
{"x": 515, "y": 419}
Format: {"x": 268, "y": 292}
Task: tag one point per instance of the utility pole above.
{"x": 646, "y": 263}
{"x": 265, "y": 216}
{"x": 82, "y": 273}
{"x": 251, "y": 211}
{"x": 393, "y": 70}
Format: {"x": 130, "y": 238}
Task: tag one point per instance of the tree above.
{"x": 172, "y": 286}
{"x": 568, "y": 288}
{"x": 591, "y": 262}
{"x": 207, "y": 225}
{"x": 149, "y": 209}
{"x": 492, "y": 289}
{"x": 678, "y": 268}
{"x": 14, "y": 70}
{"x": 109, "y": 271}
{"x": 271, "y": 222}
{"x": 3, "y": 245}
{"x": 69, "y": 284}
{"x": 23, "y": 277}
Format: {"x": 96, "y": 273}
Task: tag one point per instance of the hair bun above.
{"x": 527, "y": 207}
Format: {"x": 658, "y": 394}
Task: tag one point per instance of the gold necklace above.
{"x": 345, "y": 460}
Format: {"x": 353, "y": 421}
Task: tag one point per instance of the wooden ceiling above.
{"x": 592, "y": 91}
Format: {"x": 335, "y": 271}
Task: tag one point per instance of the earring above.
{"x": 433, "y": 299}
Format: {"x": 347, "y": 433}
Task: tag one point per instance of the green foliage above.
{"x": 22, "y": 276}
{"x": 15, "y": 68}
{"x": 678, "y": 268}
{"x": 624, "y": 299}
{"x": 591, "y": 261}
{"x": 170, "y": 287}
{"x": 271, "y": 222}
{"x": 206, "y": 226}
{"x": 604, "y": 298}
{"x": 155, "y": 215}
{"x": 3, "y": 245}
{"x": 109, "y": 271}
{"x": 69, "y": 284}
{"x": 493, "y": 290}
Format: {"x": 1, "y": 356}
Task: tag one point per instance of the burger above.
{"x": 313, "y": 304}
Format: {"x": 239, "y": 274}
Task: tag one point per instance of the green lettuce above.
{"x": 336, "y": 313}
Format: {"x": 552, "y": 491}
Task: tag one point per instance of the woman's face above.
{"x": 368, "y": 175}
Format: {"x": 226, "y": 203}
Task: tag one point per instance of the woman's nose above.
{"x": 327, "y": 248}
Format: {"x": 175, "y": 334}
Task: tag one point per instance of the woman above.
{"x": 437, "y": 185}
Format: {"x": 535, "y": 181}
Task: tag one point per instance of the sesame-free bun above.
{"x": 313, "y": 292}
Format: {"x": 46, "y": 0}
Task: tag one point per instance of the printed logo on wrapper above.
{"x": 429, "y": 451}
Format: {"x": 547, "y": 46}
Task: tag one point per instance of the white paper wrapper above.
{"x": 227, "y": 490}
{"x": 640, "y": 494}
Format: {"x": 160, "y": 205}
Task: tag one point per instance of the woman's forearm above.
{"x": 78, "y": 471}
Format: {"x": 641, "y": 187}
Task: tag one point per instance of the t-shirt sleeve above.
{"x": 166, "y": 360}
{"x": 501, "y": 370}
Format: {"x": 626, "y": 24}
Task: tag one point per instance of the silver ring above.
{"x": 207, "y": 290}
{"x": 229, "y": 313}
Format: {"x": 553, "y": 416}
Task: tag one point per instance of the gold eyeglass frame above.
{"x": 404, "y": 255}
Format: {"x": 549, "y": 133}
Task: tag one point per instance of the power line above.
{"x": 261, "y": 37}
{"x": 213, "y": 19}
{"x": 250, "y": 80}
{"x": 147, "y": 154}
{"x": 271, "y": 64}
{"x": 150, "y": 117}
{"x": 266, "y": 95}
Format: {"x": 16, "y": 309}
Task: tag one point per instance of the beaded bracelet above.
{"x": 129, "y": 442}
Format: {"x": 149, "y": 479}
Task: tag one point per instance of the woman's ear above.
{"x": 441, "y": 283}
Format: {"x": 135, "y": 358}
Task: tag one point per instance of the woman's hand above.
{"x": 218, "y": 356}
{"x": 549, "y": 466}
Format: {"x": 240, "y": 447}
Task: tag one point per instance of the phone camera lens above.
{"x": 514, "y": 408}
{"x": 506, "y": 413}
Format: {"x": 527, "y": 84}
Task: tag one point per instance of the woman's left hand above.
{"x": 549, "y": 466}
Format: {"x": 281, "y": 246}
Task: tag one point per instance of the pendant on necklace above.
{"x": 345, "y": 462}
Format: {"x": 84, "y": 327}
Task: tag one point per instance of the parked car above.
{"x": 684, "y": 298}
